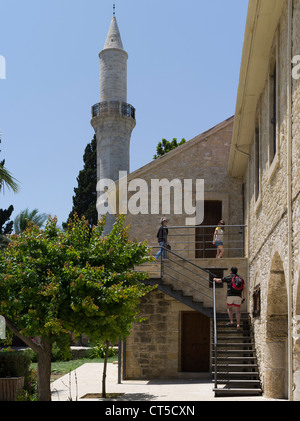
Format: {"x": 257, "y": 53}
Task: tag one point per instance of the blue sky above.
{"x": 183, "y": 73}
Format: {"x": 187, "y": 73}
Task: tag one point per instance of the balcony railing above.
{"x": 113, "y": 108}
{"x": 197, "y": 241}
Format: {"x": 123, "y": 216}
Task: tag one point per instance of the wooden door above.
{"x": 195, "y": 343}
{"x": 204, "y": 236}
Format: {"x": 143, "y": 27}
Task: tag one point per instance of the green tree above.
{"x": 54, "y": 282}
{"x": 85, "y": 198}
{"x": 6, "y": 178}
{"x": 5, "y": 226}
{"x": 22, "y": 221}
{"x": 165, "y": 146}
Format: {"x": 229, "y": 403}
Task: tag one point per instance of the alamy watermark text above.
{"x": 159, "y": 196}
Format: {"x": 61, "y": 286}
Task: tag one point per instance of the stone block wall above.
{"x": 153, "y": 348}
{"x": 204, "y": 157}
{"x": 266, "y": 217}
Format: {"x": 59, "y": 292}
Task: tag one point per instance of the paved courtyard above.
{"x": 87, "y": 379}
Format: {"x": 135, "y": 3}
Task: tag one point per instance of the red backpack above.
{"x": 237, "y": 283}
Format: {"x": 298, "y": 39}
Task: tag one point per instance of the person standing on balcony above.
{"x": 218, "y": 239}
{"x": 236, "y": 293}
{"x": 162, "y": 237}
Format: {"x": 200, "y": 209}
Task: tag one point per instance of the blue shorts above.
{"x": 218, "y": 243}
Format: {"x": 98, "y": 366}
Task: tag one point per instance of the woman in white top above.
{"x": 218, "y": 239}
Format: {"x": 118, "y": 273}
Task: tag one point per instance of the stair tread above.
{"x": 240, "y": 373}
{"x": 235, "y": 358}
{"x": 237, "y": 391}
{"x": 237, "y": 365}
{"x": 240, "y": 381}
{"x": 236, "y": 344}
{"x": 237, "y": 351}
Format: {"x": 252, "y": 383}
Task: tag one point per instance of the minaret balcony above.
{"x": 113, "y": 108}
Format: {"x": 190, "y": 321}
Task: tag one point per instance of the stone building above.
{"x": 250, "y": 165}
{"x": 176, "y": 338}
{"x": 265, "y": 155}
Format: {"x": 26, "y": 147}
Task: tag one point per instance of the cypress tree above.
{"x": 85, "y": 198}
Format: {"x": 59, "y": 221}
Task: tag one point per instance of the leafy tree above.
{"x": 85, "y": 198}
{"x": 165, "y": 146}
{"x": 5, "y": 226}
{"x": 22, "y": 221}
{"x": 54, "y": 282}
{"x": 6, "y": 178}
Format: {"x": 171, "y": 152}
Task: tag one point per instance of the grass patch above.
{"x": 60, "y": 368}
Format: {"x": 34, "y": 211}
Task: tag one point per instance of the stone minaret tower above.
{"x": 113, "y": 119}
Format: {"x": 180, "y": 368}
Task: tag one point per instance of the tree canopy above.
{"x": 85, "y": 197}
{"x": 165, "y": 146}
{"x": 6, "y": 226}
{"x": 24, "y": 218}
{"x": 53, "y": 283}
{"x": 6, "y": 178}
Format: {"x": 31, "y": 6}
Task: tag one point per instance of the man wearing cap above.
{"x": 162, "y": 237}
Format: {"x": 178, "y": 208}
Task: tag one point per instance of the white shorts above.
{"x": 234, "y": 301}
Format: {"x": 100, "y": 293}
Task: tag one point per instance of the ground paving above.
{"x": 87, "y": 379}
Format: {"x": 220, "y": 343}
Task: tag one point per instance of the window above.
{"x": 257, "y": 158}
{"x": 256, "y": 301}
{"x": 273, "y": 88}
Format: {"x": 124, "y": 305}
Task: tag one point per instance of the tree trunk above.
{"x": 107, "y": 343}
{"x": 44, "y": 371}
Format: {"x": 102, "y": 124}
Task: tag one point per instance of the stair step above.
{"x": 224, "y": 316}
{"x": 241, "y": 344}
{"x": 228, "y": 359}
{"x": 234, "y": 374}
{"x": 239, "y": 383}
{"x": 235, "y": 351}
{"x": 231, "y": 367}
{"x": 219, "y": 392}
{"x": 233, "y": 338}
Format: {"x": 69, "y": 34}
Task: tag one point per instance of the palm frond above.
{"x": 6, "y": 179}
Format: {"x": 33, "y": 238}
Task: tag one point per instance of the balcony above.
{"x": 191, "y": 264}
{"x": 113, "y": 108}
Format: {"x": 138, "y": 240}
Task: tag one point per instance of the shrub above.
{"x": 59, "y": 354}
{"x": 15, "y": 364}
{"x": 98, "y": 351}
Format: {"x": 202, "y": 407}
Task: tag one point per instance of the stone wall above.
{"x": 204, "y": 157}
{"x": 153, "y": 348}
{"x": 266, "y": 217}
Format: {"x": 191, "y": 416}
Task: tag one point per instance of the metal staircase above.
{"x": 179, "y": 295}
{"x": 235, "y": 367}
{"x": 234, "y": 362}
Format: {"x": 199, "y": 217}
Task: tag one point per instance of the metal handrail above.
{"x": 234, "y": 238}
{"x": 215, "y": 333}
{"x": 203, "y": 270}
{"x": 113, "y": 107}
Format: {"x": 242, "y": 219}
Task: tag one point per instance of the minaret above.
{"x": 113, "y": 119}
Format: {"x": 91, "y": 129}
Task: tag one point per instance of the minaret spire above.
{"x": 113, "y": 119}
{"x": 114, "y": 9}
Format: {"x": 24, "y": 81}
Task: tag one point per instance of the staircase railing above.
{"x": 198, "y": 240}
{"x": 203, "y": 274}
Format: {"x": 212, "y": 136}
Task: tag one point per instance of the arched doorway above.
{"x": 276, "y": 356}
